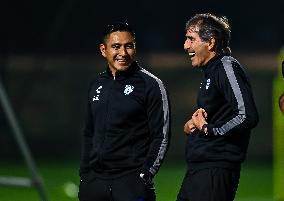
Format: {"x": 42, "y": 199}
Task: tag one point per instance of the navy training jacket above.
{"x": 127, "y": 125}
{"x": 225, "y": 94}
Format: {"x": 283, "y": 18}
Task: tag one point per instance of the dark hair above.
{"x": 117, "y": 26}
{"x": 211, "y": 26}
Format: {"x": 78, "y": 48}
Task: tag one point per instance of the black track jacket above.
{"x": 226, "y": 96}
{"x": 127, "y": 125}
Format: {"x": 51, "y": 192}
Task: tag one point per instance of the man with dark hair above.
{"x": 219, "y": 130}
{"x": 127, "y": 128}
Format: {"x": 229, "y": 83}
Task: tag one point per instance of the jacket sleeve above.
{"x": 235, "y": 88}
{"x": 86, "y": 140}
{"x": 158, "y": 111}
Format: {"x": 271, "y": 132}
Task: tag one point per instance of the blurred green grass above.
{"x": 255, "y": 183}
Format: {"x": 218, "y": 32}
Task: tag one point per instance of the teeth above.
{"x": 191, "y": 54}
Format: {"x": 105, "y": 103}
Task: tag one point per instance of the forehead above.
{"x": 120, "y": 37}
{"x": 192, "y": 31}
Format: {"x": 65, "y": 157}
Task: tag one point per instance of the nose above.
{"x": 186, "y": 45}
{"x": 123, "y": 51}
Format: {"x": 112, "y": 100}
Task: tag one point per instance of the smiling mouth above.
{"x": 121, "y": 60}
{"x": 191, "y": 54}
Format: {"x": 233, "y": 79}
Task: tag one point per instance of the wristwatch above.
{"x": 204, "y": 129}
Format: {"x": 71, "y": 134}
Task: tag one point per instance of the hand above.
{"x": 199, "y": 118}
{"x": 189, "y": 127}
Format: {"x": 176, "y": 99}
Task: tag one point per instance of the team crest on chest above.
{"x": 97, "y": 96}
{"x": 128, "y": 89}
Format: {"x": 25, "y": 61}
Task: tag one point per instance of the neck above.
{"x": 211, "y": 55}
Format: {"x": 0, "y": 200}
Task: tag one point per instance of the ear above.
{"x": 211, "y": 44}
{"x": 103, "y": 49}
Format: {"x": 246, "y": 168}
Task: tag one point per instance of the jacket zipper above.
{"x": 105, "y": 124}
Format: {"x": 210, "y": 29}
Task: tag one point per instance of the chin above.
{"x": 123, "y": 68}
{"x": 194, "y": 65}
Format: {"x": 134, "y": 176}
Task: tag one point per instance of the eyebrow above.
{"x": 189, "y": 37}
{"x": 129, "y": 43}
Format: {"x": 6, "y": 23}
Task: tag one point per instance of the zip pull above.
{"x": 110, "y": 193}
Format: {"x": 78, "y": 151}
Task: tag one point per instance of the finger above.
{"x": 188, "y": 126}
{"x": 204, "y": 113}
{"x": 185, "y": 128}
{"x": 188, "y": 129}
{"x": 196, "y": 112}
{"x": 193, "y": 118}
{"x": 200, "y": 110}
{"x": 201, "y": 114}
{"x": 192, "y": 129}
{"x": 195, "y": 121}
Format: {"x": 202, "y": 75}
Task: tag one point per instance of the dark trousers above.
{"x": 212, "y": 184}
{"x": 126, "y": 188}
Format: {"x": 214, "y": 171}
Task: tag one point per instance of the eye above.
{"x": 116, "y": 46}
{"x": 190, "y": 38}
{"x": 129, "y": 46}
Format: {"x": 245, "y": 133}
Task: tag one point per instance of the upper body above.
{"x": 225, "y": 94}
{"x": 218, "y": 132}
{"x": 128, "y": 120}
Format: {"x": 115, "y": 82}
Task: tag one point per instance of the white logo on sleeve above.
{"x": 128, "y": 89}
{"x": 96, "y": 97}
{"x": 207, "y": 83}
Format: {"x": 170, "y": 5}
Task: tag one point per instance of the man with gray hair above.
{"x": 219, "y": 130}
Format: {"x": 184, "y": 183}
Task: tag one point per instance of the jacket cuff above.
{"x": 210, "y": 130}
{"x": 146, "y": 176}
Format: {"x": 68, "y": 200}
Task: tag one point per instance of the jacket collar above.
{"x": 124, "y": 74}
{"x": 207, "y": 67}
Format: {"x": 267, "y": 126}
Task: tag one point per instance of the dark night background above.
{"x": 74, "y": 26}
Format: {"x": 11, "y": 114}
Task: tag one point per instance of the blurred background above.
{"x": 49, "y": 54}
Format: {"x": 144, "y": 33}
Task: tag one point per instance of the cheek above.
{"x": 201, "y": 49}
{"x": 131, "y": 52}
{"x": 198, "y": 47}
{"x": 112, "y": 54}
